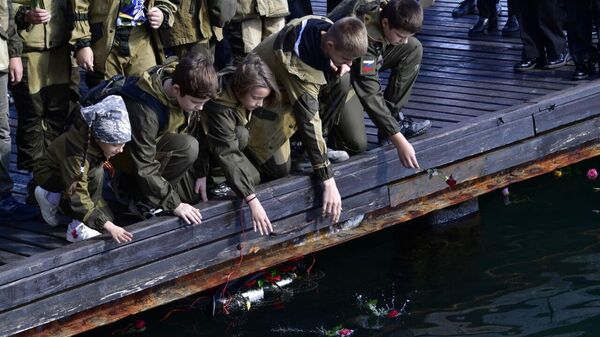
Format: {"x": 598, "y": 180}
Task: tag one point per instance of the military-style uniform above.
{"x": 383, "y": 108}
{"x": 228, "y": 136}
{"x": 254, "y": 21}
{"x": 161, "y": 154}
{"x": 72, "y": 166}
{"x": 117, "y": 50}
{"x": 191, "y": 28}
{"x": 300, "y": 85}
{"x": 10, "y": 46}
{"x": 42, "y": 97}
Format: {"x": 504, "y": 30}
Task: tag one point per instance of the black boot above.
{"x": 582, "y": 72}
{"x": 511, "y": 26}
{"x": 467, "y": 7}
{"x": 526, "y": 65}
{"x": 483, "y": 26}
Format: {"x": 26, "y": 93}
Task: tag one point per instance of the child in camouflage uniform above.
{"x": 71, "y": 169}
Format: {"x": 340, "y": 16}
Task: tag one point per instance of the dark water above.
{"x": 530, "y": 268}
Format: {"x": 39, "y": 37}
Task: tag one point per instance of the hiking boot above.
{"x": 77, "y": 231}
{"x": 11, "y": 209}
{"x": 48, "y": 209}
{"x": 410, "y": 128}
{"x": 221, "y": 191}
{"x": 142, "y": 210}
{"x": 337, "y": 156}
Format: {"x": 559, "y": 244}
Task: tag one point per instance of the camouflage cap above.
{"x": 108, "y": 120}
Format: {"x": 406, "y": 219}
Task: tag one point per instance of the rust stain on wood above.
{"x": 325, "y": 238}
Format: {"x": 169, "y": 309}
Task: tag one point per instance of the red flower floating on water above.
{"x": 592, "y": 174}
{"x": 345, "y": 332}
{"x": 392, "y": 314}
{"x": 139, "y": 324}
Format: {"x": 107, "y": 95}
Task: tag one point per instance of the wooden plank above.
{"x": 495, "y": 161}
{"x": 206, "y": 279}
{"x": 147, "y": 229}
{"x": 556, "y": 117}
{"x": 31, "y": 238}
{"x": 136, "y": 279}
{"x": 8, "y": 257}
{"x": 19, "y": 248}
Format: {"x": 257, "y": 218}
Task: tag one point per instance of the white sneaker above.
{"x": 337, "y": 156}
{"x": 47, "y": 208}
{"x": 77, "y": 231}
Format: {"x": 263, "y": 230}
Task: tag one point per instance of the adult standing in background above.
{"x": 42, "y": 97}
{"x": 253, "y": 22}
{"x": 115, "y": 37}
{"x": 543, "y": 39}
{"x": 580, "y": 15}
{"x": 10, "y": 68}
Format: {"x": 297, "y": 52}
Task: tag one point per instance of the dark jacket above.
{"x": 147, "y": 130}
{"x": 73, "y": 167}
{"x": 224, "y": 114}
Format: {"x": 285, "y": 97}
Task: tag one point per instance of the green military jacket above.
{"x": 10, "y": 42}
{"x": 364, "y": 75}
{"x": 299, "y": 84}
{"x": 70, "y": 165}
{"x": 248, "y": 9}
{"x": 52, "y": 34}
{"x": 146, "y": 132}
{"x": 224, "y": 114}
{"x": 95, "y": 25}
{"x": 191, "y": 25}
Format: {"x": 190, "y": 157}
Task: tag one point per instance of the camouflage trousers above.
{"x": 42, "y": 102}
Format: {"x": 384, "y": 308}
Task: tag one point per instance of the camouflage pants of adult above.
{"x": 42, "y": 102}
{"x": 247, "y": 34}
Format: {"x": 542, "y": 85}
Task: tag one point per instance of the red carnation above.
{"x": 250, "y": 283}
{"x": 345, "y": 332}
{"x": 450, "y": 181}
{"x": 393, "y": 313}
{"x": 139, "y": 324}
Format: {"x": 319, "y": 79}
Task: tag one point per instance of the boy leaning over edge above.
{"x": 304, "y": 56}
{"x": 391, "y": 46}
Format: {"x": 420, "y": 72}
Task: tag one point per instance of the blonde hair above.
{"x": 349, "y": 36}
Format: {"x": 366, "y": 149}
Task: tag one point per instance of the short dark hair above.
{"x": 406, "y": 15}
{"x": 196, "y": 76}
{"x": 252, "y": 72}
{"x": 349, "y": 36}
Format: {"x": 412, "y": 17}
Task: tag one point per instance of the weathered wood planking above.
{"x": 215, "y": 275}
{"x": 441, "y": 150}
{"x": 487, "y": 75}
{"x": 204, "y": 238}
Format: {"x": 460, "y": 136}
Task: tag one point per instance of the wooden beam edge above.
{"x": 375, "y": 221}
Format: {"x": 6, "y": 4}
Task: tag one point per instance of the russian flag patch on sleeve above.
{"x": 368, "y": 65}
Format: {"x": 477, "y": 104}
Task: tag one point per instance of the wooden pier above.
{"x": 492, "y": 127}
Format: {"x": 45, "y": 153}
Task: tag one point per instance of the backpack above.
{"x": 126, "y": 87}
{"x": 356, "y": 8}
